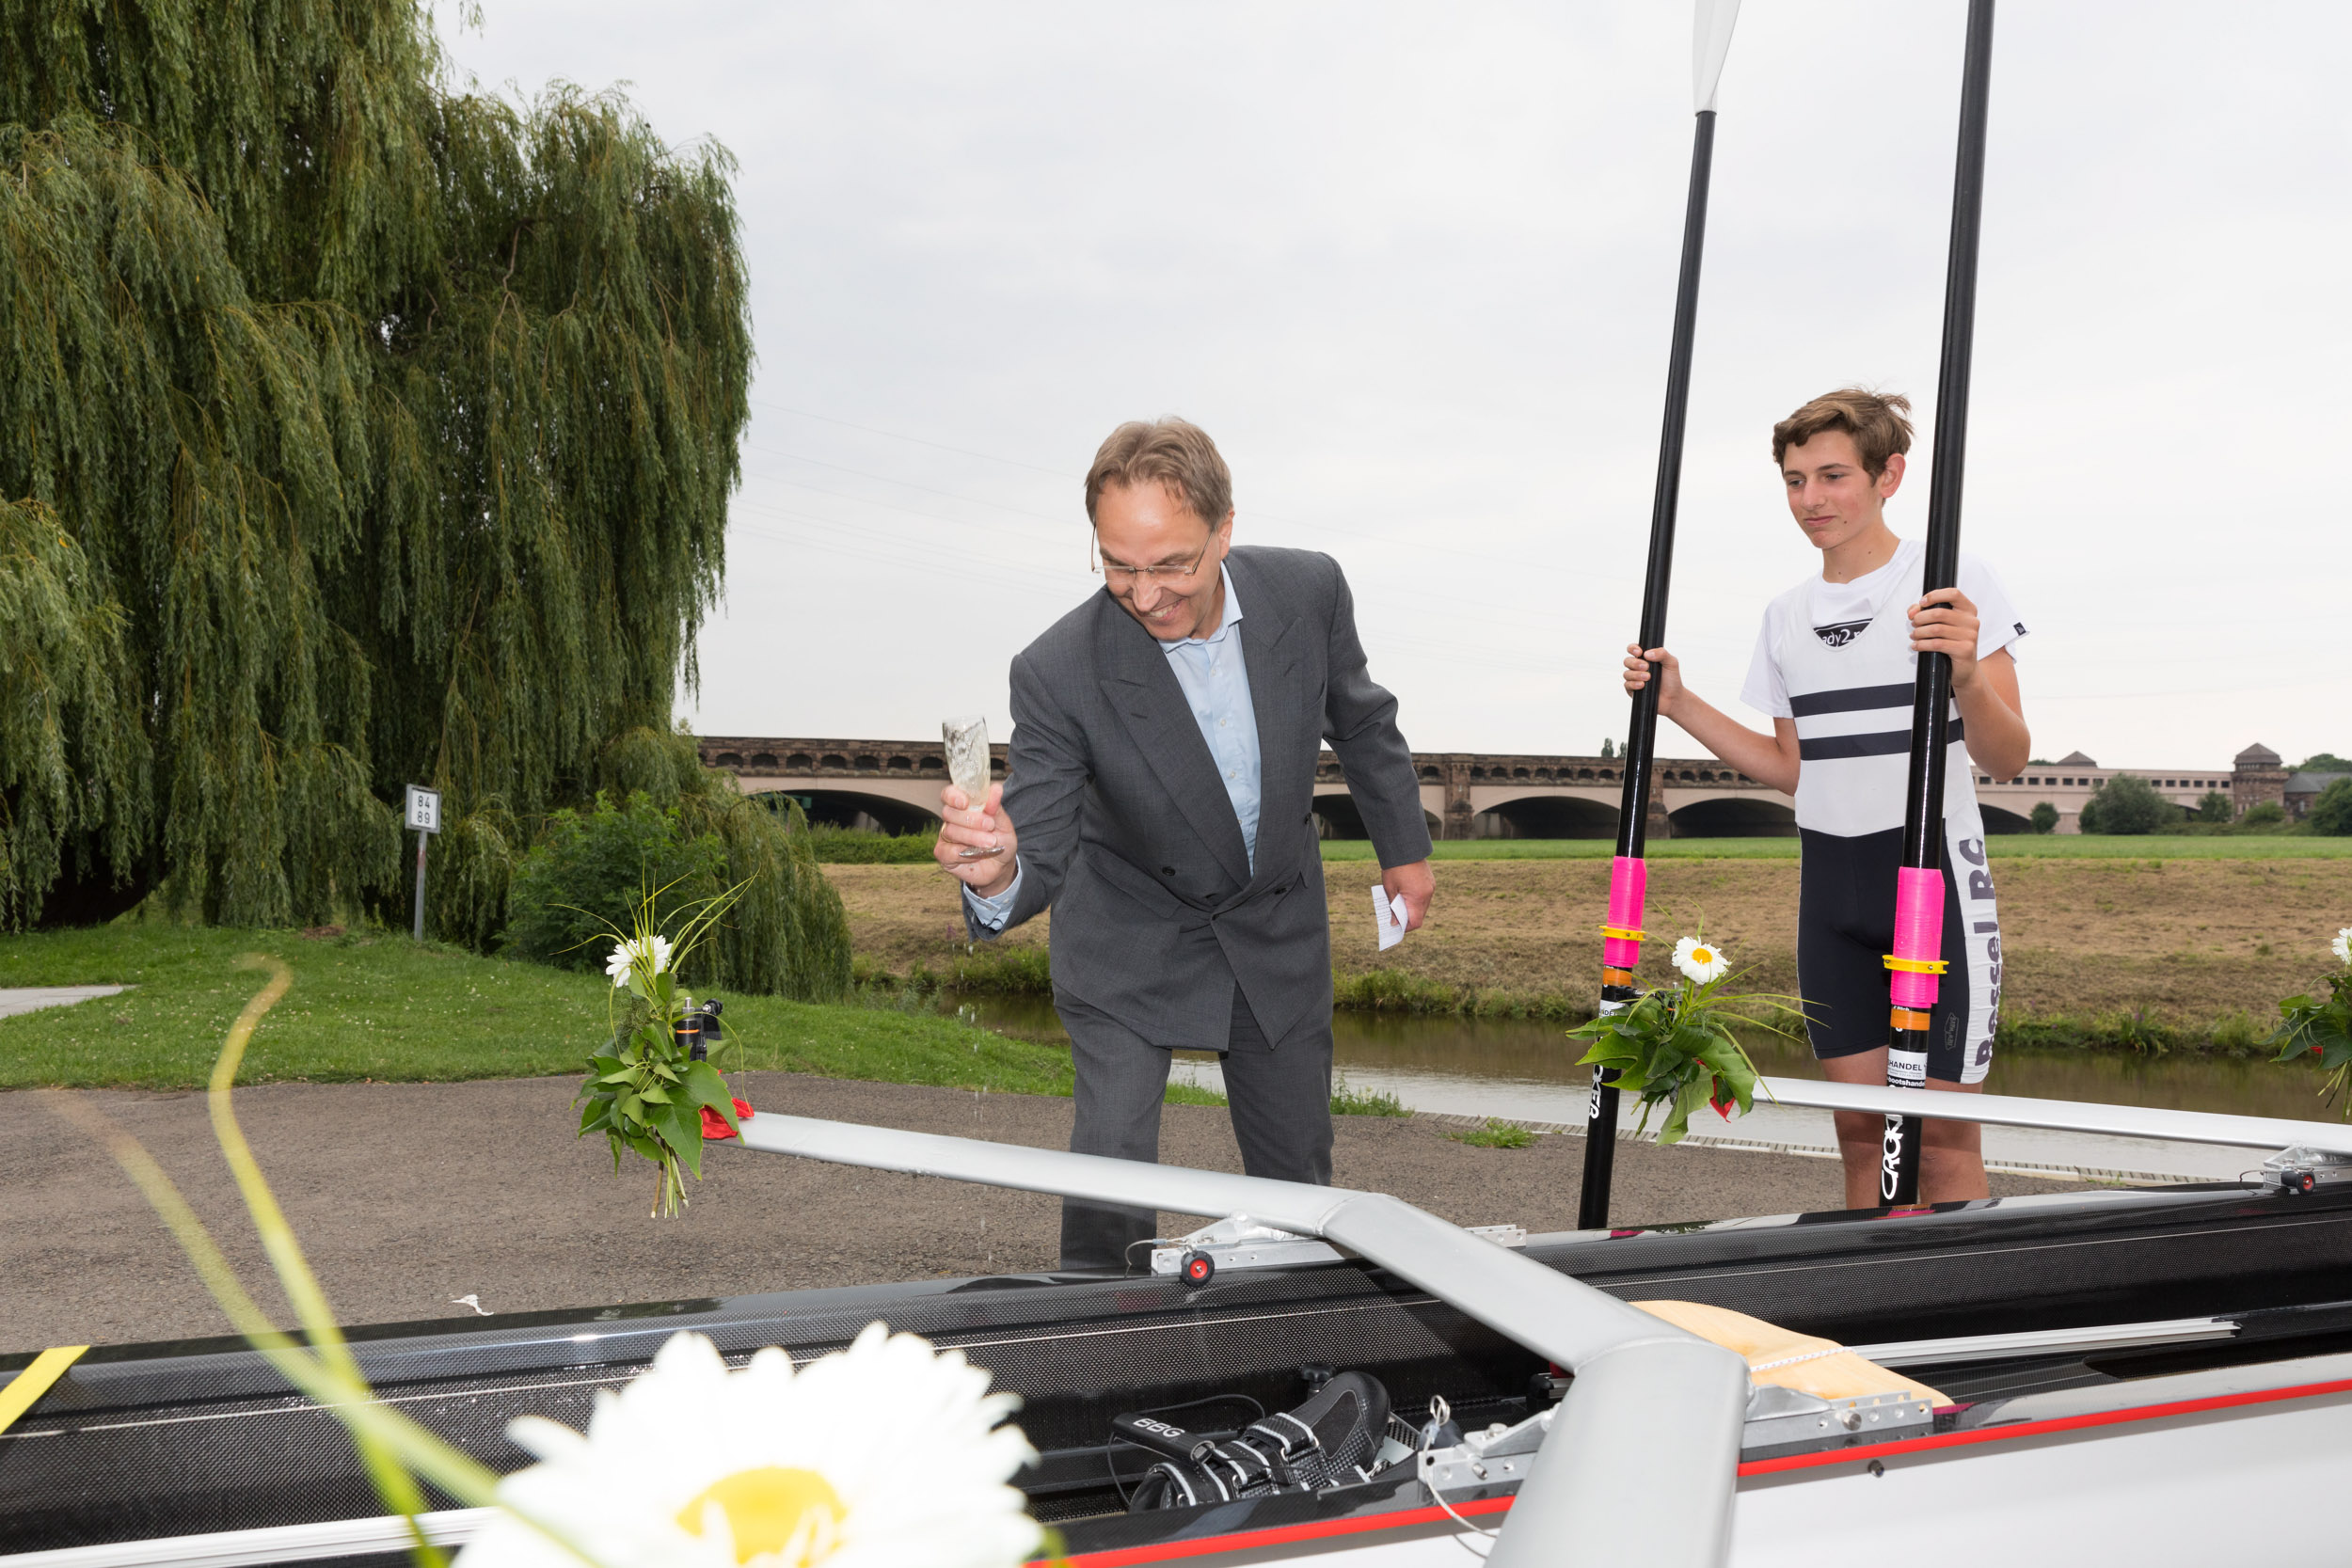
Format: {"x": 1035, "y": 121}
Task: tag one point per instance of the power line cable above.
{"x": 886, "y": 479}
{"x": 1339, "y": 528}
{"x": 995, "y": 574}
{"x": 917, "y": 440}
{"x": 1485, "y": 607}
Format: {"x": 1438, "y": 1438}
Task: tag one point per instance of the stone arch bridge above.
{"x": 894, "y": 785}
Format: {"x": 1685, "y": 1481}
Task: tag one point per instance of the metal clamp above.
{"x": 2305, "y": 1170}
{"x": 1498, "y": 1457}
{"x": 1238, "y": 1242}
{"x": 1787, "y": 1421}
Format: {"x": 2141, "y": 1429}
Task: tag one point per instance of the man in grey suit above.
{"x": 1164, "y": 745}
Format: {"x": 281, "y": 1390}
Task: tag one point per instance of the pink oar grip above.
{"x": 1628, "y": 882}
{"x": 1918, "y": 933}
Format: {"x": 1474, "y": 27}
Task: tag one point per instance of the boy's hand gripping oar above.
{"x": 1621, "y": 938}
{"x": 1918, "y": 957}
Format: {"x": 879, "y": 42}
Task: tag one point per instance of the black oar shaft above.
{"x": 1919, "y": 897}
{"x": 1667, "y": 497}
{"x": 1618, "y": 952}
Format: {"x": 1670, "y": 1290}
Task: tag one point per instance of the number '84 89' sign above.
{"x": 424, "y": 810}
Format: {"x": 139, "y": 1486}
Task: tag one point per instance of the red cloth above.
{"x": 715, "y": 1126}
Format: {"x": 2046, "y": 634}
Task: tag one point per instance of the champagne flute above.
{"x": 968, "y": 769}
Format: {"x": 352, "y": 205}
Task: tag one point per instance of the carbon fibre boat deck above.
{"x": 145, "y": 1441}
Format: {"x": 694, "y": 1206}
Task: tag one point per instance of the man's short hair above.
{"x": 1874, "y": 420}
{"x": 1171, "y": 451}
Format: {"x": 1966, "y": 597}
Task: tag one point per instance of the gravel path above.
{"x": 408, "y": 1196}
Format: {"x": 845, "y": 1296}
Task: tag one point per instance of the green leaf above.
{"x": 1733, "y": 1071}
{"x": 682, "y": 1130}
{"x": 1604, "y": 1053}
{"x": 1692, "y": 1097}
{"x": 704, "y": 1086}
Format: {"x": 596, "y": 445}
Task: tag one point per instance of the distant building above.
{"x": 2260, "y": 779}
{"x": 2301, "y": 789}
{"x": 2255, "y": 775}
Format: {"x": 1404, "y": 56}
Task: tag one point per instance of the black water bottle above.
{"x": 700, "y": 1030}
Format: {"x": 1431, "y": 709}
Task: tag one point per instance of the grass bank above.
{"x": 2180, "y": 954}
{"x": 376, "y": 1006}
{"x": 2087, "y": 847}
{"x": 847, "y": 846}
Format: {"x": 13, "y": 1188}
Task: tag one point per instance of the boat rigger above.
{"x": 2088, "y": 1354}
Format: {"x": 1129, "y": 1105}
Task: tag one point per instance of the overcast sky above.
{"x": 1413, "y": 266}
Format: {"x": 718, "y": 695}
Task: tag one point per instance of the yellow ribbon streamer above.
{"x": 26, "y": 1389}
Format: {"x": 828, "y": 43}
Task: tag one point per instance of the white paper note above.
{"x": 1388, "y": 916}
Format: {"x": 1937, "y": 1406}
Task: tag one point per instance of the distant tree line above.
{"x": 2127, "y": 804}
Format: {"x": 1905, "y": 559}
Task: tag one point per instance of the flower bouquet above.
{"x": 1673, "y": 1048}
{"x": 2309, "y": 1026}
{"x": 889, "y": 1452}
{"x": 650, "y": 1091}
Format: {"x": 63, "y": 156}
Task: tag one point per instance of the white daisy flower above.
{"x": 1700, "y": 960}
{"x": 885, "y": 1455}
{"x": 626, "y": 953}
{"x": 2341, "y": 947}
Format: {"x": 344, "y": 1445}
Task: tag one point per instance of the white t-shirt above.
{"x": 1835, "y": 657}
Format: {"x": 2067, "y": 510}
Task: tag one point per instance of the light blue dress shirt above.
{"x": 1216, "y": 680}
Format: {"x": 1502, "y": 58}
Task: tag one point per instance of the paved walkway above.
{"x": 25, "y": 999}
{"x": 412, "y": 1197}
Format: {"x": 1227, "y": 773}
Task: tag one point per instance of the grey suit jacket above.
{"x": 1126, "y": 833}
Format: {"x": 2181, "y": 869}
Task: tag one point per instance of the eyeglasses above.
{"x": 1118, "y": 575}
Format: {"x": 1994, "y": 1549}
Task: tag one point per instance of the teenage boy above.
{"x": 1833, "y": 667}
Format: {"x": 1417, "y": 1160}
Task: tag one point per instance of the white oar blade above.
{"x": 1710, "y": 40}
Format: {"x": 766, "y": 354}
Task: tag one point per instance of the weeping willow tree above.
{"x": 71, "y": 757}
{"x": 355, "y": 431}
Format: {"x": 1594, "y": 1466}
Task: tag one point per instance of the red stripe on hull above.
{"x": 1324, "y": 1530}
{"x": 2036, "y": 1429}
{"x": 1278, "y": 1535}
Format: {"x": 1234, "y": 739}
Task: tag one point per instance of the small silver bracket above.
{"x": 2304, "y": 1170}
{"x": 1238, "y": 1242}
{"x": 1499, "y": 1456}
{"x": 1787, "y": 1419}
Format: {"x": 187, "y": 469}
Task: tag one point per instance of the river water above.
{"x": 1526, "y": 1071}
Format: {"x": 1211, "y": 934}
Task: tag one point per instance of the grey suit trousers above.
{"x": 1279, "y": 1100}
